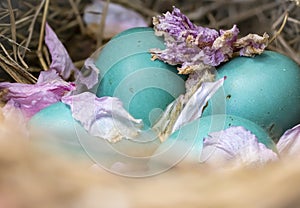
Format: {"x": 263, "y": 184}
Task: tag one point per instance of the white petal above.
{"x": 289, "y": 143}
{"x": 104, "y": 117}
{"x": 193, "y": 108}
{"x": 235, "y": 146}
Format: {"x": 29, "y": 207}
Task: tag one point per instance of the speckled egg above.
{"x": 264, "y": 89}
{"x": 145, "y": 87}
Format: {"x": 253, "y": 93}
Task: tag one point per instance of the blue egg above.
{"x": 56, "y": 130}
{"x": 264, "y": 89}
{"x": 144, "y": 86}
{"x": 187, "y": 142}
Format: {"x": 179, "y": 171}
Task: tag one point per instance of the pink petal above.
{"x": 61, "y": 61}
{"x": 31, "y": 98}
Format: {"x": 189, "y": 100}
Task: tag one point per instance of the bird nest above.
{"x": 23, "y": 53}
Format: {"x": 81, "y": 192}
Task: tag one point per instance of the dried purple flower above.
{"x": 194, "y": 46}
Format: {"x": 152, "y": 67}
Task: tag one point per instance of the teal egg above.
{"x": 264, "y": 89}
{"x": 135, "y": 30}
{"x": 144, "y": 86}
{"x": 187, "y": 142}
{"x": 55, "y": 127}
{"x": 55, "y": 130}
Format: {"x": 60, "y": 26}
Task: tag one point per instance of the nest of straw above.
{"x": 23, "y": 53}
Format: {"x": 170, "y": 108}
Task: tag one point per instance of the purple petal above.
{"x": 235, "y": 146}
{"x": 61, "y": 61}
{"x": 222, "y": 48}
{"x": 289, "y": 143}
{"x": 179, "y": 27}
{"x": 31, "y": 98}
{"x": 104, "y": 117}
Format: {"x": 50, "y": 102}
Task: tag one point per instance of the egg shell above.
{"x": 55, "y": 130}
{"x": 264, "y": 89}
{"x": 144, "y": 86}
{"x": 187, "y": 142}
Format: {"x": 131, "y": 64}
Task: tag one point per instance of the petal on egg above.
{"x": 289, "y": 142}
{"x": 88, "y": 77}
{"x": 235, "y": 147}
{"x": 188, "y": 107}
{"x": 193, "y": 108}
{"x": 103, "y": 117}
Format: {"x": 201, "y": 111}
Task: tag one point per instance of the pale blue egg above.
{"x": 187, "y": 142}
{"x": 264, "y": 89}
{"x": 57, "y": 131}
{"x": 144, "y": 86}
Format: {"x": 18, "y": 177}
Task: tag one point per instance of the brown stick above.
{"x": 13, "y": 28}
{"x": 31, "y": 27}
{"x": 41, "y": 39}
{"x": 78, "y": 17}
